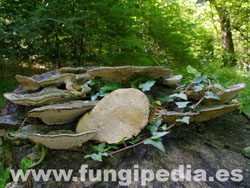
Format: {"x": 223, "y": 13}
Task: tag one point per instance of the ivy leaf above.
{"x": 182, "y": 104}
{"x": 113, "y": 147}
{"x": 94, "y": 97}
{"x": 218, "y": 86}
{"x": 158, "y": 103}
{"x": 153, "y": 128}
{"x": 94, "y": 156}
{"x": 184, "y": 120}
{"x": 164, "y": 127}
{"x": 165, "y": 99}
{"x": 198, "y": 87}
{"x": 122, "y": 141}
{"x": 25, "y": 164}
{"x": 210, "y": 95}
{"x": 99, "y": 147}
{"x": 159, "y": 135}
{"x": 197, "y": 80}
{"x": 193, "y": 71}
{"x": 111, "y": 86}
{"x": 147, "y": 85}
{"x": 4, "y": 175}
{"x": 134, "y": 141}
{"x": 181, "y": 95}
{"x": 157, "y": 144}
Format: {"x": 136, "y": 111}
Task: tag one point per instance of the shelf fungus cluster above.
{"x": 55, "y": 109}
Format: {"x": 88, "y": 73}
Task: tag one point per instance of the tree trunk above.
{"x": 226, "y": 30}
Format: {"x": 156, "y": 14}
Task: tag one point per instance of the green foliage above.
{"x": 182, "y": 104}
{"x": 184, "y": 120}
{"x": 97, "y": 156}
{"x": 156, "y": 143}
{"x": 25, "y": 163}
{"x": 147, "y": 85}
{"x": 4, "y": 175}
{"x": 210, "y": 95}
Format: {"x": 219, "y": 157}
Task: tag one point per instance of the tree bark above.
{"x": 226, "y": 30}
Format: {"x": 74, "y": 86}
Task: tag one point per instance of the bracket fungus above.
{"x": 224, "y": 95}
{"x": 31, "y": 84}
{"x": 62, "y": 140}
{"x": 124, "y": 74}
{"x": 62, "y": 113}
{"x": 28, "y": 82}
{"x": 76, "y": 70}
{"x": 122, "y": 113}
{"x": 48, "y": 95}
{"x": 171, "y": 81}
{"x": 204, "y": 114}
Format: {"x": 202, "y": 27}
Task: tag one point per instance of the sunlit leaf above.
{"x": 184, "y": 120}
{"x": 147, "y": 85}
{"x": 99, "y": 147}
{"x": 193, "y": 71}
{"x": 157, "y": 144}
{"x": 182, "y": 104}
{"x": 159, "y": 134}
{"x": 180, "y": 95}
{"x": 210, "y": 95}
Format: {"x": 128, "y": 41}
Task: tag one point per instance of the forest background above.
{"x": 210, "y": 35}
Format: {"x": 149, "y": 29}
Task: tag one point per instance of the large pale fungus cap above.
{"x": 124, "y": 74}
{"x": 76, "y": 70}
{"x": 62, "y": 140}
{"x": 48, "y": 95}
{"x": 122, "y": 113}
{"x": 62, "y": 113}
{"x": 204, "y": 114}
{"x": 171, "y": 81}
{"x": 224, "y": 95}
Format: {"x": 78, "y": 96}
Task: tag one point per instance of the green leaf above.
{"x": 165, "y": 99}
{"x": 164, "y": 127}
{"x": 153, "y": 128}
{"x": 94, "y": 97}
{"x": 157, "y": 144}
{"x": 180, "y": 95}
{"x": 197, "y": 80}
{"x": 122, "y": 141}
{"x": 210, "y": 95}
{"x": 94, "y": 156}
{"x": 147, "y": 85}
{"x": 159, "y": 134}
{"x": 218, "y": 86}
{"x": 158, "y": 103}
{"x": 25, "y": 164}
{"x": 99, "y": 147}
{"x": 182, "y": 104}
{"x": 198, "y": 87}
{"x": 134, "y": 141}
{"x": 193, "y": 71}
{"x": 4, "y": 175}
{"x": 184, "y": 120}
{"x": 111, "y": 86}
{"x": 113, "y": 147}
